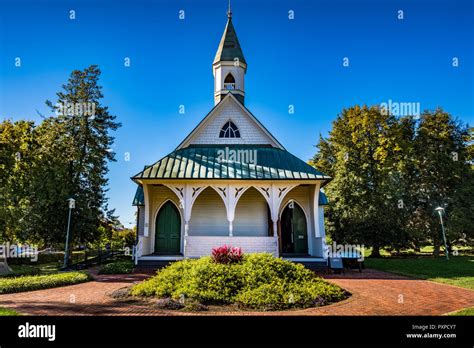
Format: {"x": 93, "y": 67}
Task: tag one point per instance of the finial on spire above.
{"x": 229, "y": 12}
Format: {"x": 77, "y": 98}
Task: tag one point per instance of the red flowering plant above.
{"x": 226, "y": 254}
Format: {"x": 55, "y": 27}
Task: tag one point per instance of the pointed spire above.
{"x": 229, "y": 12}
{"x": 229, "y": 46}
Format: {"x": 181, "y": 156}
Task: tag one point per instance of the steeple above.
{"x": 229, "y": 12}
{"x": 229, "y": 47}
{"x": 229, "y": 64}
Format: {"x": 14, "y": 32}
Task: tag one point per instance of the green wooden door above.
{"x": 300, "y": 235}
{"x": 168, "y": 230}
{"x": 294, "y": 236}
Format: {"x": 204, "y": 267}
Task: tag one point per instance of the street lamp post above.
{"x": 440, "y": 211}
{"x": 72, "y": 205}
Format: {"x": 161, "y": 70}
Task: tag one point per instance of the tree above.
{"x": 444, "y": 176}
{"x": 389, "y": 174}
{"x": 17, "y": 153}
{"x": 84, "y": 128}
{"x": 65, "y": 156}
{"x": 360, "y": 154}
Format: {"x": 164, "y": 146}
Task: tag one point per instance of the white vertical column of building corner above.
{"x": 274, "y": 209}
{"x": 317, "y": 232}
{"x": 146, "y": 195}
{"x": 322, "y": 231}
{"x": 230, "y": 203}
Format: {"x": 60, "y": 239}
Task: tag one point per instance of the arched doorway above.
{"x": 168, "y": 230}
{"x": 294, "y": 233}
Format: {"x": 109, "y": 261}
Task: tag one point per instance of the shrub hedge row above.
{"x": 29, "y": 283}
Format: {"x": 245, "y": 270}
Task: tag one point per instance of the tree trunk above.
{"x": 436, "y": 244}
{"x": 375, "y": 251}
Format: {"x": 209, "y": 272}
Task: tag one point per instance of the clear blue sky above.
{"x": 296, "y": 62}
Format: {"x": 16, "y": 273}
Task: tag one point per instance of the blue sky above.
{"x": 297, "y": 62}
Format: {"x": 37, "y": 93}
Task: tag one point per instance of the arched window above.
{"x": 229, "y": 130}
{"x": 229, "y": 82}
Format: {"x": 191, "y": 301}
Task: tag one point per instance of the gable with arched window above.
{"x": 229, "y": 130}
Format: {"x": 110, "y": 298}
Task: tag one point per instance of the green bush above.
{"x": 278, "y": 296}
{"x": 117, "y": 267}
{"x": 29, "y": 283}
{"x": 8, "y": 312}
{"x": 260, "y": 282}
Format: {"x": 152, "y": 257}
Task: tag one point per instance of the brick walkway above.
{"x": 373, "y": 293}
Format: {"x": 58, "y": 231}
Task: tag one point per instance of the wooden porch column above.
{"x": 186, "y": 228}
{"x": 317, "y": 232}
{"x": 275, "y": 235}
{"x": 231, "y": 228}
{"x": 146, "y": 195}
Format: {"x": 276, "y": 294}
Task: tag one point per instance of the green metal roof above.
{"x": 323, "y": 199}
{"x": 139, "y": 198}
{"x": 229, "y": 47}
{"x": 204, "y": 162}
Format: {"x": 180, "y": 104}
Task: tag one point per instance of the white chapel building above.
{"x": 230, "y": 181}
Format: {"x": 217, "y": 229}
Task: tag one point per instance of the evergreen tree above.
{"x": 65, "y": 156}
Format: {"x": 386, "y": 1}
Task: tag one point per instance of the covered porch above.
{"x": 178, "y": 220}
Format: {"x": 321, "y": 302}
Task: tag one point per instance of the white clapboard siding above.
{"x": 209, "y": 217}
{"x": 251, "y": 215}
{"x": 250, "y": 133}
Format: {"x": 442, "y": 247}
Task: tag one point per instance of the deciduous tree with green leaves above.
{"x": 390, "y": 173}
{"x": 444, "y": 177}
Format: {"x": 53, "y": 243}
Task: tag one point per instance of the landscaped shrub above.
{"x": 117, "y": 267}
{"x": 29, "y": 283}
{"x": 278, "y": 295}
{"x": 260, "y": 282}
{"x": 202, "y": 280}
{"x": 226, "y": 254}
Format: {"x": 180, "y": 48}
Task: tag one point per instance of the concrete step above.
{"x": 315, "y": 266}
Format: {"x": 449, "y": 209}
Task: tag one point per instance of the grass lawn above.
{"x": 464, "y": 312}
{"x": 28, "y": 270}
{"x": 8, "y": 312}
{"x": 459, "y": 270}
